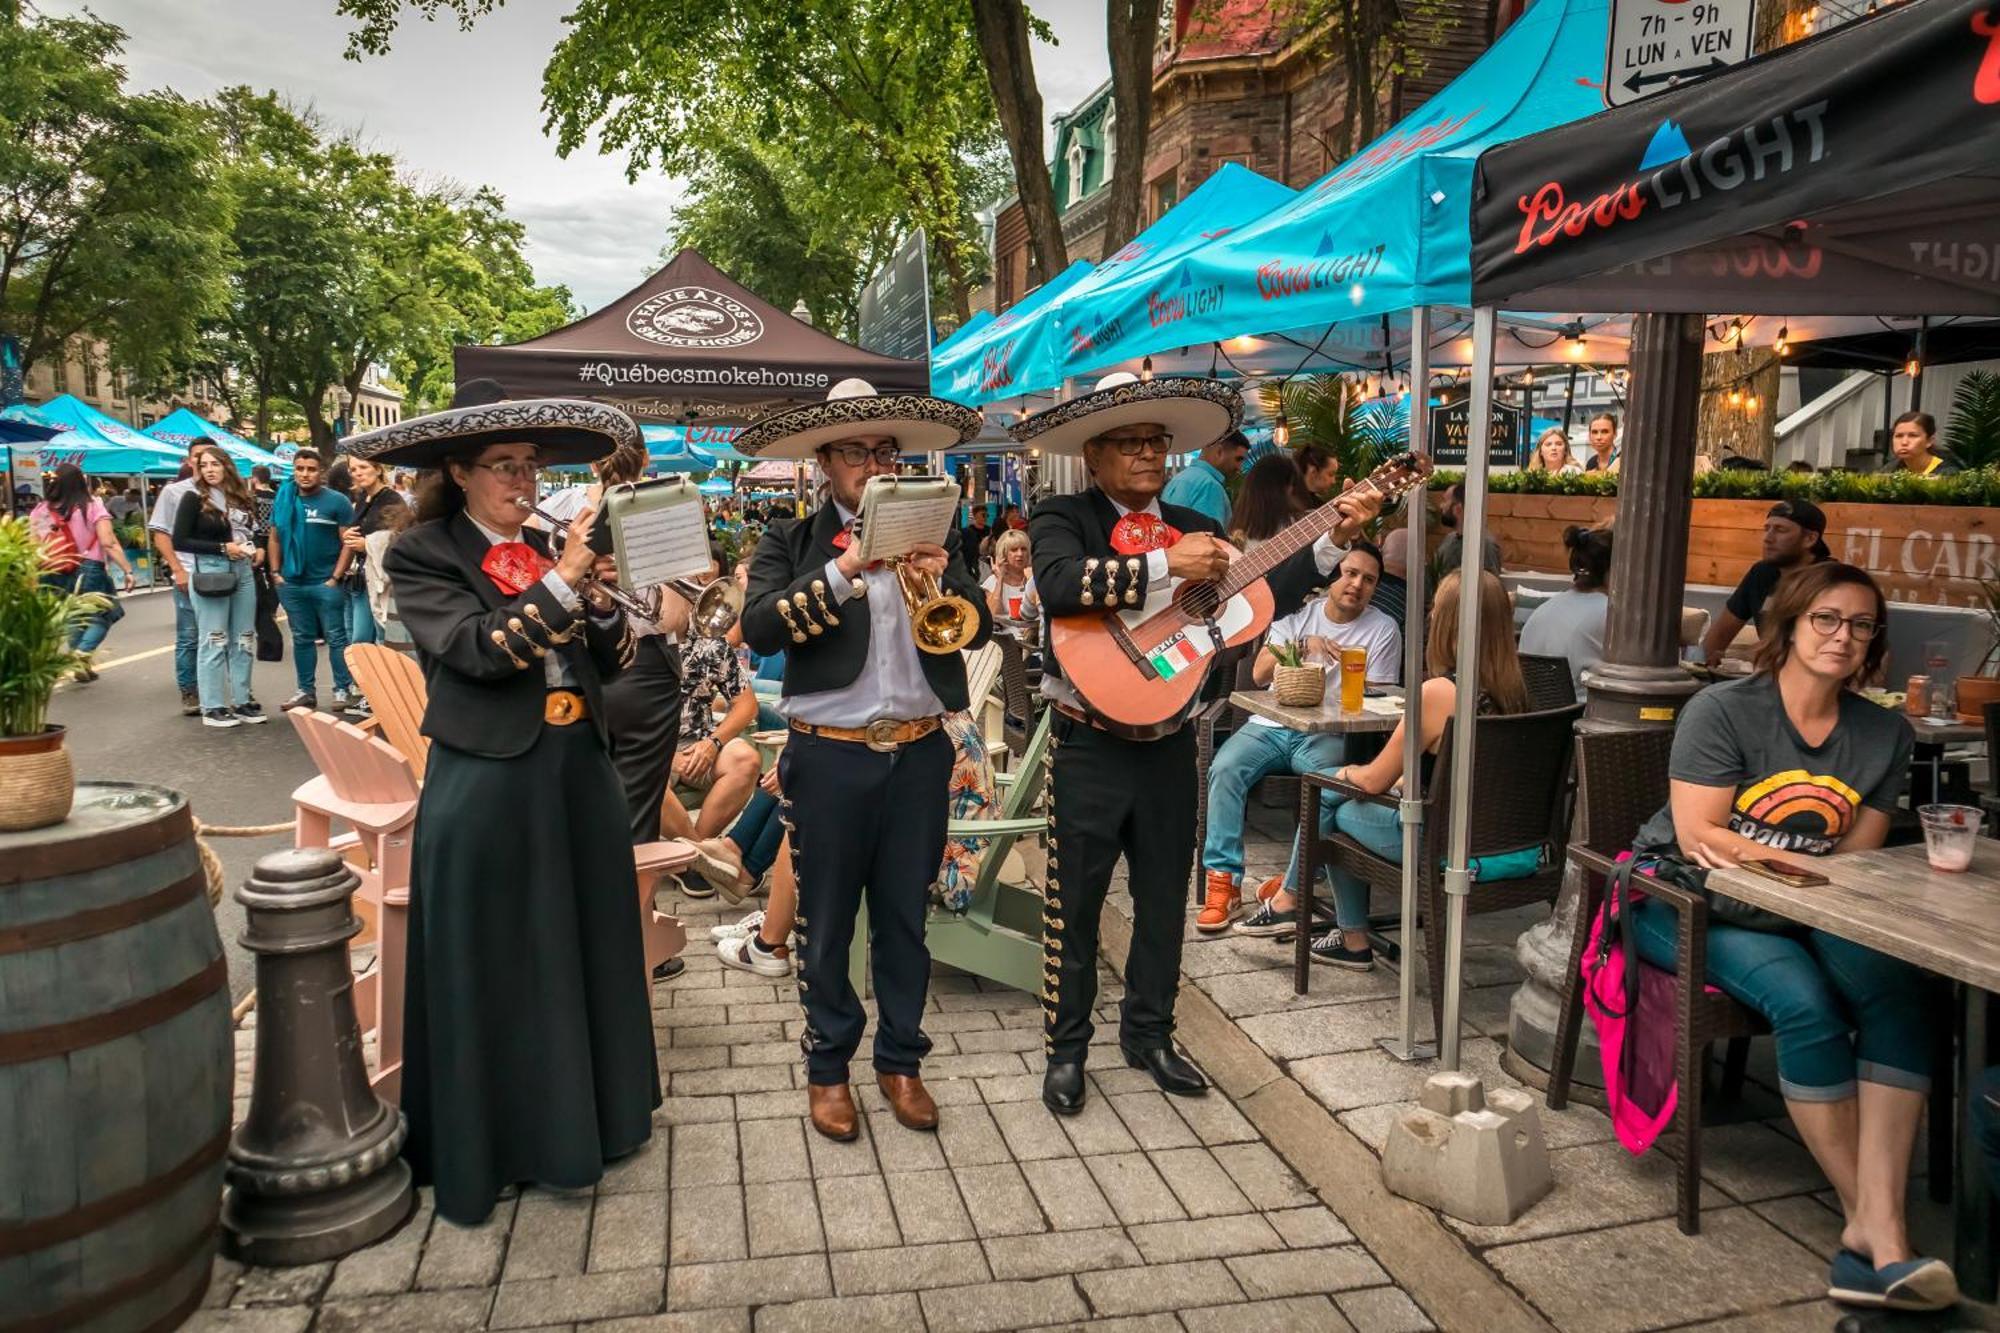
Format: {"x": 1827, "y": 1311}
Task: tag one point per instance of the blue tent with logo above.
{"x": 1011, "y": 353}
{"x": 109, "y": 446}
{"x": 1388, "y": 229}
{"x": 183, "y": 427}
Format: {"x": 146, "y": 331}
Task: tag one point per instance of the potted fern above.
{"x": 1296, "y": 683}
{"x": 37, "y": 622}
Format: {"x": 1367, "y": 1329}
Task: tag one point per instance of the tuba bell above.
{"x": 940, "y": 621}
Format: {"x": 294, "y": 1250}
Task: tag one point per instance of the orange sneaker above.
{"x": 1269, "y": 888}
{"x": 1222, "y": 903}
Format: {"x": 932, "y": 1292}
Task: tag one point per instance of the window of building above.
{"x": 59, "y": 369}
{"x": 1076, "y": 160}
{"x": 118, "y": 384}
{"x": 1165, "y": 194}
{"x": 1110, "y": 131}
{"x": 89, "y": 376}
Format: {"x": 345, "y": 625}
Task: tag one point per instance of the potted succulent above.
{"x": 1975, "y": 691}
{"x": 1296, "y": 683}
{"x": 37, "y": 620}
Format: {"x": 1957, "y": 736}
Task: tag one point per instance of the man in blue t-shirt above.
{"x": 1203, "y": 484}
{"x": 307, "y": 561}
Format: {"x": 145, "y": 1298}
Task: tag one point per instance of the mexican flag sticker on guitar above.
{"x": 1177, "y": 655}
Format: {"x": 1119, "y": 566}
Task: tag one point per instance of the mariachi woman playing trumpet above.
{"x": 528, "y": 1023}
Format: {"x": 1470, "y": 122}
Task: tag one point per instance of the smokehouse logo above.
{"x": 694, "y": 317}
{"x": 1674, "y": 173}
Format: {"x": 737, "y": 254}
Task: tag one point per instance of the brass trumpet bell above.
{"x": 940, "y": 621}
{"x": 718, "y": 604}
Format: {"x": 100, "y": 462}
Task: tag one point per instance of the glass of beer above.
{"x": 1353, "y": 677}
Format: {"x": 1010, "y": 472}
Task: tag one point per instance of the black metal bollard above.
{"x": 314, "y": 1169}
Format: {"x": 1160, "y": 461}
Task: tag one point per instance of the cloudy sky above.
{"x": 467, "y": 105}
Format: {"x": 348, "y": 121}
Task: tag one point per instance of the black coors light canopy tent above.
{"x": 686, "y": 344}
{"x": 1855, "y": 173}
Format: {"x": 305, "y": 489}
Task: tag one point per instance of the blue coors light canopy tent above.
{"x": 1007, "y": 354}
{"x": 182, "y": 427}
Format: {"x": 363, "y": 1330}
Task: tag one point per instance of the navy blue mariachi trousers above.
{"x": 1110, "y": 797}
{"x": 871, "y": 824}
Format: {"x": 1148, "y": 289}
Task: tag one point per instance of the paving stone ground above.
{"x": 1146, "y": 1212}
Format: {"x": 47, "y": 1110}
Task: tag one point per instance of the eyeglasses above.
{"x": 1828, "y": 624}
{"x": 1135, "y": 445}
{"x": 854, "y": 455}
{"x": 510, "y": 471}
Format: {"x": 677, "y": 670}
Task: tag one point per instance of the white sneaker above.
{"x": 736, "y": 930}
{"x": 749, "y": 955}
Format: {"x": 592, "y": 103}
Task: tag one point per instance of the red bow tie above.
{"x": 1137, "y": 534}
{"x": 515, "y": 567}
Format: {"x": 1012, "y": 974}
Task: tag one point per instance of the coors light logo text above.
{"x": 1766, "y": 148}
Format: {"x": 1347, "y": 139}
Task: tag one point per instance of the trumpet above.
{"x": 940, "y": 621}
{"x": 718, "y": 604}
{"x": 644, "y": 603}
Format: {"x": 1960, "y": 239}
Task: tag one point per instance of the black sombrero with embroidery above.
{"x": 919, "y": 423}
{"x": 566, "y": 430}
{"x": 1196, "y": 412}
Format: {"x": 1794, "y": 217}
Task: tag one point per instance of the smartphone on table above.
{"x": 1785, "y": 872}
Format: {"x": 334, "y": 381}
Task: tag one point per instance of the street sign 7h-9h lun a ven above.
{"x": 1656, "y": 44}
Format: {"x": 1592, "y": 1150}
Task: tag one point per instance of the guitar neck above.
{"x": 1274, "y": 551}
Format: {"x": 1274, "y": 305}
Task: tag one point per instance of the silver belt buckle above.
{"x": 881, "y": 735}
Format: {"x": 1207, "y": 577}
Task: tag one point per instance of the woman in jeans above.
{"x": 1378, "y": 827}
{"x": 213, "y": 534}
{"x": 1791, "y": 762}
{"x": 67, "y": 504}
{"x": 374, "y": 502}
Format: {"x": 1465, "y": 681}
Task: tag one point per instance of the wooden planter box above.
{"x": 1931, "y": 554}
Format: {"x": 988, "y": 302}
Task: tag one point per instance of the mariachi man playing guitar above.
{"x": 1123, "y": 767}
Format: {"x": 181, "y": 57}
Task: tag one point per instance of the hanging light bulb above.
{"x": 1146, "y": 370}
{"x": 1736, "y": 397}
{"x": 1528, "y": 376}
{"x": 1281, "y": 431}
{"x": 1750, "y": 403}
{"x": 1913, "y": 367}
{"x": 1783, "y": 347}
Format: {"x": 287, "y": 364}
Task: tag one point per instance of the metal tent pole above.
{"x": 1405, "y": 1046}
{"x": 1472, "y": 530}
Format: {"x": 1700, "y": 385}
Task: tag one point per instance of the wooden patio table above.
{"x": 1378, "y": 713}
{"x": 1948, "y": 923}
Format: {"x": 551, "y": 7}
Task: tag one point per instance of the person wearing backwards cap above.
{"x": 1113, "y": 790}
{"x": 1794, "y": 537}
{"x": 866, "y": 773}
{"x": 528, "y": 1032}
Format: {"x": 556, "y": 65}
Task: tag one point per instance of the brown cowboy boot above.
{"x": 912, "y": 1106}
{"x": 832, "y": 1107}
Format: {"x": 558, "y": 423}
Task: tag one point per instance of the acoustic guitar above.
{"x": 1142, "y": 666}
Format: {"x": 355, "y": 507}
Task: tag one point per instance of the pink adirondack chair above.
{"x": 664, "y": 935}
{"x": 365, "y": 784}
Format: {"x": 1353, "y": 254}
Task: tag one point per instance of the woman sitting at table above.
{"x": 1010, "y": 588}
{"x": 1378, "y": 827}
{"x": 1791, "y": 762}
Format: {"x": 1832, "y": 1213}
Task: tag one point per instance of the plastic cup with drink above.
{"x": 1353, "y": 677}
{"x": 1950, "y": 832}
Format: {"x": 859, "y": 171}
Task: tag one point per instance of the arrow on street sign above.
{"x": 1656, "y": 44}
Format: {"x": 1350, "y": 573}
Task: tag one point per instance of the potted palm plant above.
{"x": 37, "y": 620}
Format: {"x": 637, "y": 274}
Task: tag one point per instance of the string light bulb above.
{"x": 1750, "y": 403}
{"x": 1783, "y": 347}
{"x": 1913, "y": 367}
{"x": 1528, "y": 376}
{"x": 1735, "y": 397}
{"x": 1281, "y": 431}
{"x": 1146, "y": 370}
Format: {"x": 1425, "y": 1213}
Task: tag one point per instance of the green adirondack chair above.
{"x": 999, "y": 935}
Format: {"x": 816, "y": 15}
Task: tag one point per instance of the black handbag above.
{"x": 270, "y": 639}
{"x": 212, "y": 576}
{"x": 1721, "y": 907}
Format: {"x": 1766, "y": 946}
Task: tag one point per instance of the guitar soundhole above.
{"x": 1199, "y": 600}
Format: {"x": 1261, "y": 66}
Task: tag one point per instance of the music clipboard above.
{"x": 899, "y": 512}
{"x": 659, "y": 531}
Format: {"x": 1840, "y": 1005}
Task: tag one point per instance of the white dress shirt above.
{"x": 891, "y": 683}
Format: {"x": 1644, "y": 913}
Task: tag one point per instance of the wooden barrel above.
{"x": 115, "y": 1067}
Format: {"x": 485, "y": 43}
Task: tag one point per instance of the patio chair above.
{"x": 1989, "y": 800}
{"x": 1622, "y": 781}
{"x": 999, "y": 935}
{"x": 1549, "y": 682}
{"x": 1017, "y": 697}
{"x": 393, "y": 684}
{"x": 1520, "y": 774}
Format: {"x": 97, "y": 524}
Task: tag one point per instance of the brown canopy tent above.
{"x": 687, "y": 344}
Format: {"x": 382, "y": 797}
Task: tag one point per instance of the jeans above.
{"x": 1840, "y": 1012}
{"x": 227, "y": 632}
{"x": 1251, "y": 754}
{"x": 1378, "y": 828}
{"x": 90, "y": 576}
{"x": 361, "y": 627}
{"x": 757, "y": 833}
{"x": 316, "y": 612}
{"x": 184, "y": 638}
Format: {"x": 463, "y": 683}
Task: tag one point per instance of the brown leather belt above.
{"x": 562, "y": 708}
{"x": 883, "y": 734}
{"x": 1153, "y": 732}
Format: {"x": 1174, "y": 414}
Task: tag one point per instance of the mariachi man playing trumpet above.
{"x": 866, "y": 770}
{"x": 528, "y": 1015}
{"x": 1117, "y": 789}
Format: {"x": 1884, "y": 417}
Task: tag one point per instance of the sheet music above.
{"x": 897, "y": 517}
{"x": 660, "y": 536}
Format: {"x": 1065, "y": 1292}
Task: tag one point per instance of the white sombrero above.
{"x": 1196, "y": 412}
{"x": 919, "y": 423}
{"x": 566, "y": 430}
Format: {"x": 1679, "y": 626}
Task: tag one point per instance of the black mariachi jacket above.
{"x": 1066, "y": 532}
{"x": 790, "y": 608}
{"x": 482, "y": 651}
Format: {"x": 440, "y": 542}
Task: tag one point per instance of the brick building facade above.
{"x": 1229, "y": 85}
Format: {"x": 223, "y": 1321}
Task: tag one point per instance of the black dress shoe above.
{"x": 1062, "y": 1087}
{"x": 1169, "y": 1068}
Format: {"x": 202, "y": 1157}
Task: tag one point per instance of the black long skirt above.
{"x": 528, "y": 1033}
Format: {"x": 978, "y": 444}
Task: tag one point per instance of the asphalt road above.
{"x": 127, "y": 726}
